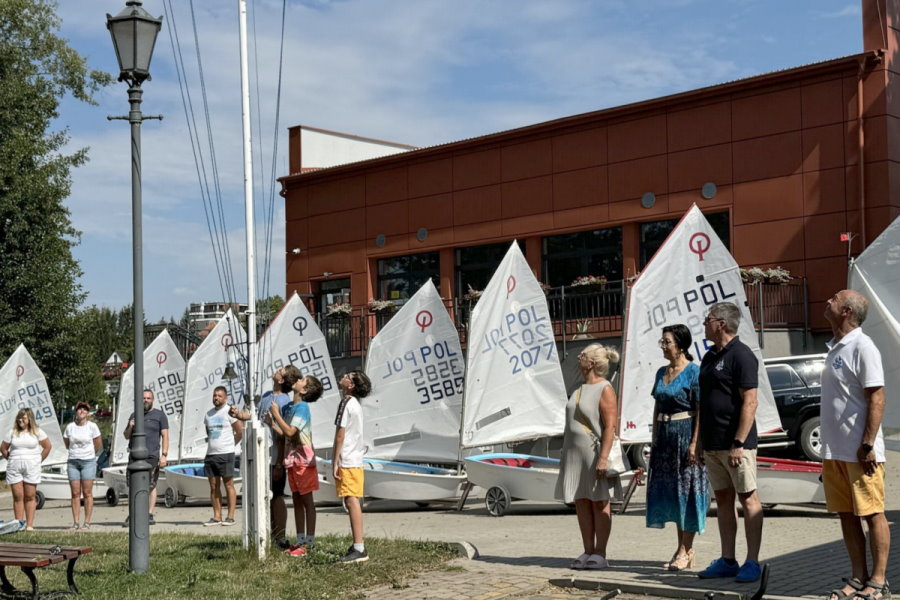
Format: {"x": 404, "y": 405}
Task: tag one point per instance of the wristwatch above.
{"x": 736, "y": 443}
{"x": 866, "y": 447}
{"x": 166, "y": 454}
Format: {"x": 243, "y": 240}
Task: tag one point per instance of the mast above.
{"x": 255, "y": 477}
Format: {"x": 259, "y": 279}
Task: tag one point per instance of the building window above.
{"x": 400, "y": 277}
{"x": 654, "y": 233}
{"x": 333, "y": 291}
{"x": 597, "y": 252}
{"x": 476, "y": 265}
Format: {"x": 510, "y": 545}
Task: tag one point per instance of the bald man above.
{"x": 853, "y": 444}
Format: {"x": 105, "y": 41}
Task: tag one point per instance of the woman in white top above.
{"x": 82, "y": 438}
{"x": 24, "y": 448}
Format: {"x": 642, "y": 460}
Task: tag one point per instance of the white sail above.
{"x": 691, "y": 271}
{"x": 164, "y": 375}
{"x": 876, "y": 275}
{"x": 224, "y": 345}
{"x": 418, "y": 372}
{"x": 294, "y": 338}
{"x": 22, "y": 385}
{"x": 514, "y": 383}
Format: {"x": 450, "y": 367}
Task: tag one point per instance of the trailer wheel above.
{"x": 423, "y": 504}
{"x": 497, "y": 501}
{"x": 39, "y": 499}
{"x": 112, "y": 498}
{"x": 639, "y": 456}
{"x": 171, "y": 498}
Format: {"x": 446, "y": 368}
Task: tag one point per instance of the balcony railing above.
{"x": 576, "y": 312}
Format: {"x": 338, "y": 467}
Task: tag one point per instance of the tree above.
{"x": 39, "y": 289}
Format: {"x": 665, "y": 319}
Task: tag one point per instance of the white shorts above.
{"x": 23, "y": 469}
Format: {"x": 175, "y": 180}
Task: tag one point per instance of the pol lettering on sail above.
{"x": 294, "y": 338}
{"x": 690, "y": 272}
{"x": 22, "y": 385}
{"x": 417, "y": 370}
{"x": 513, "y": 366}
{"x": 164, "y": 376}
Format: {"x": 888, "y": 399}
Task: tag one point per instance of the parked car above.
{"x": 797, "y": 386}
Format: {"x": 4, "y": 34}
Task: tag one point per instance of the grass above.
{"x": 217, "y": 567}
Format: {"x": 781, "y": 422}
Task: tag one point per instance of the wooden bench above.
{"x": 29, "y": 557}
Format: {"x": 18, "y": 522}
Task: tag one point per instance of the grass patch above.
{"x": 217, "y": 567}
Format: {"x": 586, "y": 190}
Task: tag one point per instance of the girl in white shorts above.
{"x": 24, "y": 448}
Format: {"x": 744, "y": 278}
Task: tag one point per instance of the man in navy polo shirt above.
{"x": 728, "y": 380}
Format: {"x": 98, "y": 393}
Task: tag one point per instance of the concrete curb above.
{"x": 650, "y": 589}
{"x": 466, "y": 550}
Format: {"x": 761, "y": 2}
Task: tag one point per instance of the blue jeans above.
{"x": 83, "y": 469}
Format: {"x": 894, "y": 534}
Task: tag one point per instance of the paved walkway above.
{"x": 520, "y": 553}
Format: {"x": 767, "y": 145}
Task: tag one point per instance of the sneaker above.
{"x": 212, "y": 523}
{"x": 750, "y": 571}
{"x": 719, "y": 568}
{"x": 354, "y": 556}
{"x": 296, "y": 551}
{"x": 152, "y": 520}
{"x": 228, "y": 522}
{"x": 284, "y": 544}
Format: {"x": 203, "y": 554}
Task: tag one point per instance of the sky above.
{"x": 420, "y": 72}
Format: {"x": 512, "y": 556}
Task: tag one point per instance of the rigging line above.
{"x": 231, "y": 295}
{"x": 188, "y": 115}
{"x": 271, "y": 220}
{"x": 216, "y": 235}
{"x": 260, "y": 181}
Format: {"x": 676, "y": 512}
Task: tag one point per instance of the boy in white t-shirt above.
{"x": 349, "y": 449}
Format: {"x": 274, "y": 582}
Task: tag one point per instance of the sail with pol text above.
{"x": 164, "y": 376}
{"x": 418, "y": 372}
{"x": 22, "y": 385}
{"x": 224, "y": 346}
{"x": 690, "y": 272}
{"x": 514, "y": 383}
{"x": 294, "y": 338}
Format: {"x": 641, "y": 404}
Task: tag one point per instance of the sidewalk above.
{"x": 534, "y": 543}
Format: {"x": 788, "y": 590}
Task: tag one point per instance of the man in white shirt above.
{"x": 223, "y": 433}
{"x": 853, "y": 444}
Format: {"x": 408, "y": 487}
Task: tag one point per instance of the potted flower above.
{"x": 778, "y": 275}
{"x": 545, "y": 288}
{"x": 339, "y": 310}
{"x": 473, "y": 295}
{"x": 381, "y": 306}
{"x": 590, "y": 282}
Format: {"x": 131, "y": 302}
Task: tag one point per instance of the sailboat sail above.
{"x": 22, "y": 385}
{"x": 164, "y": 376}
{"x": 206, "y": 371}
{"x": 691, "y": 271}
{"x": 417, "y": 371}
{"x": 514, "y": 383}
{"x": 876, "y": 275}
{"x": 294, "y": 338}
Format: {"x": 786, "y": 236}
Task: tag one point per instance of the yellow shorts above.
{"x": 351, "y": 482}
{"x": 849, "y": 489}
{"x": 722, "y": 475}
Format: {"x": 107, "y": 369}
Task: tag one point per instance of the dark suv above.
{"x": 797, "y": 387}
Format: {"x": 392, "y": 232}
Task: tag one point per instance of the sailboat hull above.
{"x": 55, "y": 486}
{"x": 389, "y": 480}
{"x": 189, "y": 480}
{"x": 522, "y": 476}
{"x": 783, "y": 481}
{"x": 116, "y": 483}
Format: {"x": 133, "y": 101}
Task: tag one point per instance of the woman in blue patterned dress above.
{"x": 677, "y": 491}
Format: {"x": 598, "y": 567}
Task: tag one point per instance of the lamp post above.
{"x": 134, "y": 34}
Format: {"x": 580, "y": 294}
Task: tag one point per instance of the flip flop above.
{"x": 578, "y": 563}
{"x": 596, "y": 563}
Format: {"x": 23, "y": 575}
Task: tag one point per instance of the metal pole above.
{"x": 256, "y": 495}
{"x": 562, "y": 302}
{"x": 138, "y": 467}
{"x": 762, "y": 316}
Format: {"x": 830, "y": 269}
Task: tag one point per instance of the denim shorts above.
{"x": 82, "y": 469}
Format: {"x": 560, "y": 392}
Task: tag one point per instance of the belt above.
{"x": 664, "y": 418}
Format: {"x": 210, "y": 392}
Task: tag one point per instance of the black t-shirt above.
{"x": 722, "y": 375}
{"x": 154, "y": 422}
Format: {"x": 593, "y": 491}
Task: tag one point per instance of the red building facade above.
{"x": 796, "y": 158}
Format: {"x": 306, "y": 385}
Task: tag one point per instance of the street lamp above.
{"x": 134, "y": 34}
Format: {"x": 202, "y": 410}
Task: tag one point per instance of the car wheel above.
{"x": 639, "y": 456}
{"x": 39, "y": 500}
{"x": 811, "y": 438}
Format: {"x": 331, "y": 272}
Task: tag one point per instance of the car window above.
{"x": 783, "y": 377}
{"x": 811, "y": 372}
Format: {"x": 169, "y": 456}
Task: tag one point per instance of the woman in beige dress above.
{"x": 590, "y": 429}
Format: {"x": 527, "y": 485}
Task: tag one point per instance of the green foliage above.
{"x": 267, "y": 308}
{"x": 217, "y": 567}
{"x": 40, "y": 293}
